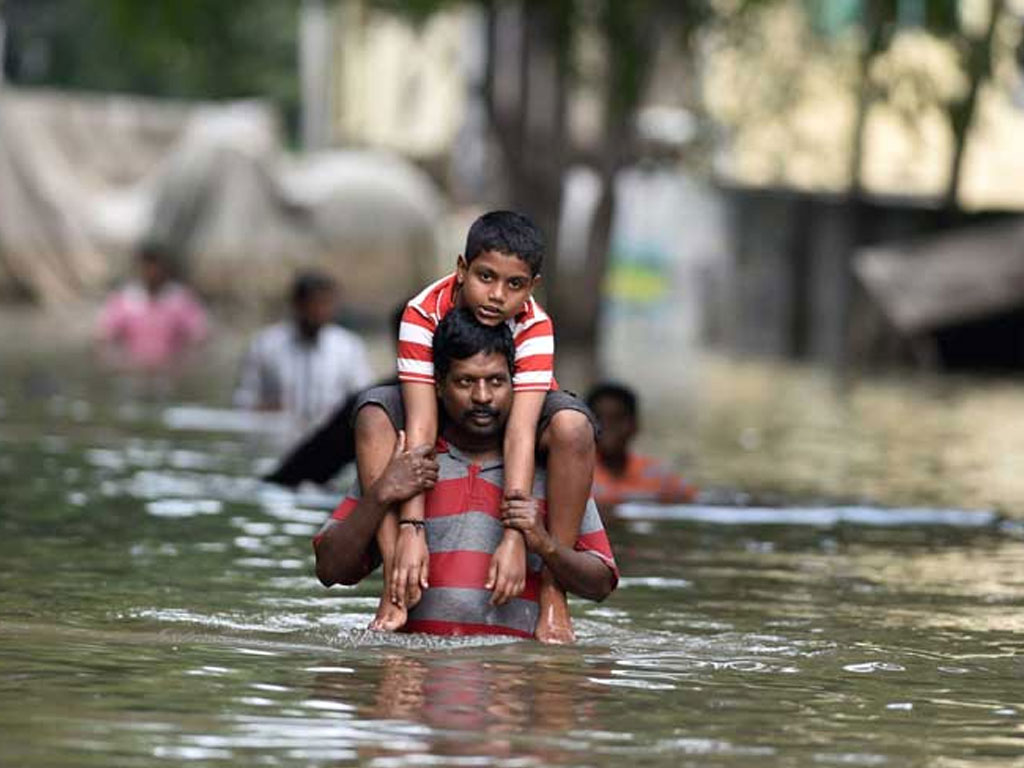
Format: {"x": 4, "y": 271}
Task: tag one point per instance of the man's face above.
{"x": 494, "y": 286}
{"x": 316, "y": 311}
{"x": 618, "y": 426}
{"x": 476, "y": 394}
{"x": 153, "y": 274}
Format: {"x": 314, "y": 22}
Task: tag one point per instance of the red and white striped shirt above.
{"x": 531, "y": 327}
{"x": 463, "y": 527}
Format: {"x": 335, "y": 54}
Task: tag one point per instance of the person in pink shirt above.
{"x": 150, "y": 323}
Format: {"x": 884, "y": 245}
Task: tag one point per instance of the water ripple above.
{"x": 868, "y": 667}
{"x": 184, "y": 507}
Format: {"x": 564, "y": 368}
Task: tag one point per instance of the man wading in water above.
{"x": 465, "y": 515}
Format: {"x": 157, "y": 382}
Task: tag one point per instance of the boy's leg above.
{"x": 568, "y": 439}
{"x": 375, "y": 443}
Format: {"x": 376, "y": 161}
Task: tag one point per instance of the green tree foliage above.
{"x": 192, "y": 49}
{"x": 879, "y": 21}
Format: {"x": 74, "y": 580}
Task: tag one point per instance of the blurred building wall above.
{"x": 399, "y": 86}
{"x": 778, "y": 279}
{"x": 788, "y": 103}
{"x": 796, "y": 293}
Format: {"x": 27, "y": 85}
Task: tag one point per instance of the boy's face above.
{"x": 494, "y": 286}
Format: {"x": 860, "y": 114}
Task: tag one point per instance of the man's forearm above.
{"x": 581, "y": 573}
{"x": 341, "y": 549}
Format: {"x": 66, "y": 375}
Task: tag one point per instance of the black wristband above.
{"x": 417, "y": 524}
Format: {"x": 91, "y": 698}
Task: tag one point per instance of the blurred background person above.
{"x": 306, "y": 365}
{"x": 622, "y": 474}
{"x": 151, "y": 323}
{"x": 326, "y": 450}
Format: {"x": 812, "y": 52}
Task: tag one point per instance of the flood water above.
{"x": 158, "y": 606}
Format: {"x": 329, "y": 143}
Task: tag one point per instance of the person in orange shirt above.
{"x": 621, "y": 474}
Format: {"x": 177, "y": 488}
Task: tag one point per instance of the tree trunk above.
{"x": 526, "y": 93}
{"x": 316, "y": 62}
{"x": 531, "y": 129}
{"x": 979, "y": 67}
{"x": 875, "y": 42}
{"x": 541, "y": 166}
{"x": 3, "y": 49}
{"x": 632, "y": 41}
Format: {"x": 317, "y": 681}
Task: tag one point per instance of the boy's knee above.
{"x": 372, "y": 422}
{"x": 571, "y": 431}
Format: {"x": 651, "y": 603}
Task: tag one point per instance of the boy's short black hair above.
{"x": 308, "y": 284}
{"x": 620, "y": 392}
{"x": 459, "y": 336}
{"x": 506, "y": 232}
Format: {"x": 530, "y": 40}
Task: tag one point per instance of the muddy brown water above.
{"x": 157, "y": 605}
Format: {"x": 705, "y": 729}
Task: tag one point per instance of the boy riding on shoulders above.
{"x": 494, "y": 279}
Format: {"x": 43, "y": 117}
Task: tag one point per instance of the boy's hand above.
{"x": 522, "y": 513}
{"x": 412, "y": 562}
{"x": 507, "y": 574}
{"x": 407, "y": 474}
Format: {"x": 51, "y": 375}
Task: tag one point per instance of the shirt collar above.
{"x": 301, "y": 341}
{"x": 443, "y": 446}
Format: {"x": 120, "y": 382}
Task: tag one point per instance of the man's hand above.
{"x": 407, "y": 474}
{"x": 507, "y": 574}
{"x": 522, "y": 513}
{"x": 412, "y": 562}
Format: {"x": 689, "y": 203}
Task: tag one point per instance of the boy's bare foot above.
{"x": 554, "y": 625}
{"x": 389, "y": 618}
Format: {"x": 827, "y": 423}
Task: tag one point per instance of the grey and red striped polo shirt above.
{"x": 463, "y": 527}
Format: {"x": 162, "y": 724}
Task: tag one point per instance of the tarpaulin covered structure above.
{"x": 956, "y": 298}
{"x": 84, "y": 180}
{"x": 946, "y": 279}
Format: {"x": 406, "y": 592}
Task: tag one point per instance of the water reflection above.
{"x": 470, "y": 707}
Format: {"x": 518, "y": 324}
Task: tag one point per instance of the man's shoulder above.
{"x": 271, "y": 339}
{"x": 338, "y": 335}
{"x": 130, "y": 294}
{"x": 282, "y": 328}
{"x": 178, "y": 293}
{"x": 644, "y": 465}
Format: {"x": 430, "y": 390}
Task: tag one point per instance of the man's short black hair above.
{"x": 459, "y": 336}
{"x": 310, "y": 283}
{"x": 152, "y": 252}
{"x": 509, "y": 233}
{"x": 620, "y": 392}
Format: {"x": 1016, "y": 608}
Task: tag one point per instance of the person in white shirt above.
{"x": 306, "y": 365}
